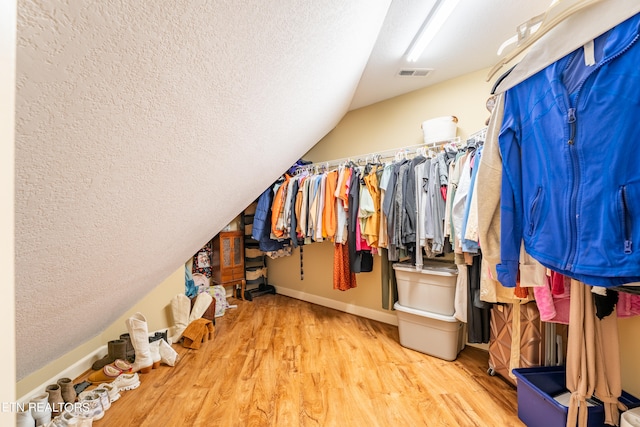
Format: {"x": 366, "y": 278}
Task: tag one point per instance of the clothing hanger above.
{"x": 524, "y": 30}
{"x": 431, "y": 153}
{"x": 302, "y": 171}
{"x": 571, "y": 34}
{"x": 555, "y": 14}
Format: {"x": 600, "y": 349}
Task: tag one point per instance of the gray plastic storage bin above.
{"x": 430, "y": 333}
{"x": 431, "y": 288}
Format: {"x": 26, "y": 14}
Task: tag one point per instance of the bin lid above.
{"x": 433, "y": 268}
{"x": 436, "y": 316}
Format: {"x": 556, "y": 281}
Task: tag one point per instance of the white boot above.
{"x": 154, "y": 348}
{"x": 180, "y": 308}
{"x": 203, "y": 301}
{"x": 167, "y": 354}
{"x": 139, "y": 333}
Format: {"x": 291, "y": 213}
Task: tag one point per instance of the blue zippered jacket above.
{"x": 262, "y": 223}
{"x": 570, "y": 145}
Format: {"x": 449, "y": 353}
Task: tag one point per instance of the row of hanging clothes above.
{"x": 461, "y": 230}
{"x": 391, "y": 206}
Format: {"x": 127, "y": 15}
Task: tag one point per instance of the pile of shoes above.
{"x": 60, "y": 406}
{"x": 137, "y": 347}
{"x": 143, "y": 351}
{"x": 56, "y": 398}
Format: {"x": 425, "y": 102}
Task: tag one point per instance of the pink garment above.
{"x": 361, "y": 244}
{"x": 628, "y": 305}
{"x": 552, "y": 308}
{"x": 554, "y": 301}
{"x": 544, "y": 301}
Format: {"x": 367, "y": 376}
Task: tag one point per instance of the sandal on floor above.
{"x": 110, "y": 372}
{"x": 107, "y": 374}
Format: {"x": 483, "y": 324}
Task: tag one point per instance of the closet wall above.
{"x": 629, "y": 351}
{"x": 382, "y": 126}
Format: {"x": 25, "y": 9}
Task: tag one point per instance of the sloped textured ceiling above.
{"x": 144, "y": 127}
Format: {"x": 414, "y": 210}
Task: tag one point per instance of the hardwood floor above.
{"x": 278, "y": 361}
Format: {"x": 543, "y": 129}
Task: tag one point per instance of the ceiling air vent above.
{"x": 414, "y": 72}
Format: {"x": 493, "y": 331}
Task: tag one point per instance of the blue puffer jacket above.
{"x": 261, "y": 216}
{"x": 570, "y": 145}
{"x": 262, "y": 223}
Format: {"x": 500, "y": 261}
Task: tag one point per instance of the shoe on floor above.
{"x": 154, "y": 349}
{"x": 104, "y": 398}
{"x": 167, "y": 354}
{"x": 110, "y": 372}
{"x": 123, "y": 366}
{"x": 68, "y": 419}
{"x": 114, "y": 393}
{"x": 117, "y": 349}
{"x": 66, "y": 388}
{"x": 101, "y": 392}
{"x": 127, "y": 382}
{"x": 92, "y": 406}
{"x": 107, "y": 374}
{"x": 139, "y": 334}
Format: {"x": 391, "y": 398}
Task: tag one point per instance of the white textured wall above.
{"x": 144, "y": 127}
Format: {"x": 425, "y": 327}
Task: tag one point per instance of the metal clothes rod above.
{"x": 382, "y": 154}
{"x": 481, "y": 134}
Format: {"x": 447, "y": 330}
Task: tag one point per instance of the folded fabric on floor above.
{"x": 199, "y": 331}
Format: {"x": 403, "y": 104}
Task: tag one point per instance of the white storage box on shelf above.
{"x": 430, "y": 333}
{"x": 431, "y": 289}
{"x": 439, "y": 129}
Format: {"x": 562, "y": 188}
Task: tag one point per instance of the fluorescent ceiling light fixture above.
{"x": 430, "y": 28}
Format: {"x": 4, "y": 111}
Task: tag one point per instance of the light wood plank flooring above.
{"x": 278, "y": 361}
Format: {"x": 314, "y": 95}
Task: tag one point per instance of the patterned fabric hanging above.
{"x": 202, "y": 261}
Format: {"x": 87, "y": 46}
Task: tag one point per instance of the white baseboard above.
{"x": 73, "y": 371}
{"x": 357, "y": 310}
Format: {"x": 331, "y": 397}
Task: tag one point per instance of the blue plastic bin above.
{"x": 537, "y": 407}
